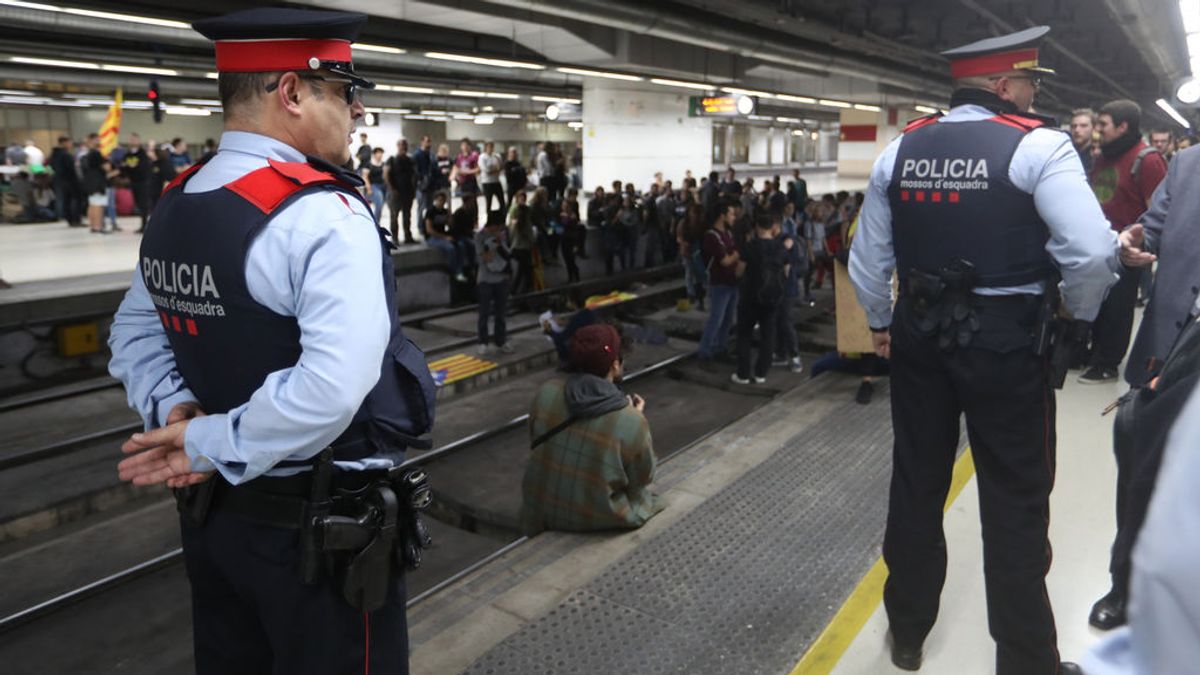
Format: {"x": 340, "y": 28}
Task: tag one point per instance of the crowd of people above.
{"x": 78, "y": 183}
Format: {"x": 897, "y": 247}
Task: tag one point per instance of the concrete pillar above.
{"x": 864, "y": 135}
{"x": 632, "y": 131}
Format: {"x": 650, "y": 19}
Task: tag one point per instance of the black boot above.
{"x": 905, "y": 657}
{"x": 1109, "y": 611}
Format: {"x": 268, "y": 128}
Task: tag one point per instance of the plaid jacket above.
{"x": 593, "y": 475}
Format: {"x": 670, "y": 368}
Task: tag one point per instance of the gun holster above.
{"x": 943, "y": 305}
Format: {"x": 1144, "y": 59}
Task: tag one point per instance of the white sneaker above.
{"x": 484, "y": 349}
{"x": 759, "y": 380}
{"x": 738, "y": 380}
{"x": 796, "y": 366}
{"x": 506, "y": 348}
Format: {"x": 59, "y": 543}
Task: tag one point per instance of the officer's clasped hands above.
{"x": 158, "y": 455}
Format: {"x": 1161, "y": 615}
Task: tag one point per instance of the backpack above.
{"x": 1136, "y": 169}
{"x": 772, "y": 284}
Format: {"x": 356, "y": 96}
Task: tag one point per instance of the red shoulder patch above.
{"x": 1025, "y": 124}
{"x": 302, "y": 173}
{"x": 181, "y": 177}
{"x": 921, "y": 122}
{"x": 265, "y": 188}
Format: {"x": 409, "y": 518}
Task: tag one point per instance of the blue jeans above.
{"x": 378, "y": 198}
{"x": 722, "y": 308}
{"x": 452, "y": 258}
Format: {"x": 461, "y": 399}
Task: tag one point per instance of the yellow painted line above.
{"x": 464, "y": 374}
{"x": 833, "y": 642}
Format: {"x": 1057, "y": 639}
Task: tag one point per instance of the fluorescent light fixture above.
{"x": 584, "y": 72}
{"x": 760, "y": 118}
{"x": 868, "y": 108}
{"x": 925, "y": 109}
{"x": 788, "y": 120}
{"x": 435, "y": 112}
{"x": 484, "y": 61}
{"x": 212, "y": 76}
{"x": 30, "y": 5}
{"x": 27, "y": 100}
{"x": 813, "y": 135}
{"x": 556, "y": 99}
{"x": 199, "y": 101}
{"x": 485, "y": 120}
{"x": 16, "y": 92}
{"x": 575, "y": 125}
{"x": 397, "y": 111}
{"x": 57, "y": 63}
{"x": 140, "y": 70}
{"x": 404, "y": 89}
{"x": 748, "y": 92}
{"x": 463, "y": 116}
{"x": 832, "y": 104}
{"x": 508, "y": 116}
{"x": 798, "y": 132}
{"x": 133, "y": 105}
{"x": 1190, "y": 11}
{"x": 190, "y": 112}
{"x": 796, "y": 99}
{"x": 679, "y": 83}
{"x": 483, "y": 94}
{"x": 384, "y": 49}
{"x": 373, "y": 110}
{"x": 96, "y": 14}
{"x": 1170, "y": 110}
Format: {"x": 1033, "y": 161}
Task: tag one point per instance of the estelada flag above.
{"x": 110, "y": 130}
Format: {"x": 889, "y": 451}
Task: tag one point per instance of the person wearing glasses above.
{"x": 261, "y": 345}
{"x": 976, "y": 210}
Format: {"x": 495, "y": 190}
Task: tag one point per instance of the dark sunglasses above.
{"x": 349, "y": 92}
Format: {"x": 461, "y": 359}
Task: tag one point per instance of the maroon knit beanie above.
{"x": 593, "y": 349}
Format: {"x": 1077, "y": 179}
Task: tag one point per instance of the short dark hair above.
{"x": 1124, "y": 111}
{"x": 63, "y": 139}
{"x": 93, "y": 135}
{"x": 237, "y": 89}
{"x": 1162, "y": 131}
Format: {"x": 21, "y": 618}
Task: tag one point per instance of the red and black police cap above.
{"x": 270, "y": 39}
{"x": 997, "y": 55}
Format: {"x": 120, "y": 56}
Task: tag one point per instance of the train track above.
{"x": 129, "y": 575}
{"x": 417, "y": 319}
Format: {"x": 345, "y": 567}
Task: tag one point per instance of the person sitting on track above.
{"x": 593, "y": 460}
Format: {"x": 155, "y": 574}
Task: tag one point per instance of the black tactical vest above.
{"x": 193, "y": 259}
{"x": 951, "y": 198}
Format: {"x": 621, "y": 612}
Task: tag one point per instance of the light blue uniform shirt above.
{"x": 1163, "y": 635}
{"x": 1044, "y": 165}
{"x": 316, "y": 260}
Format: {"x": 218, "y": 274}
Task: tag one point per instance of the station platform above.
{"x": 767, "y": 558}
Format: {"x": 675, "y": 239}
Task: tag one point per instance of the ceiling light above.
{"x": 485, "y": 120}
{"x": 212, "y": 76}
{"x": 556, "y": 99}
{"x": 685, "y": 85}
{"x": 1189, "y": 92}
{"x": 1190, "y": 11}
{"x": 16, "y": 92}
{"x": 798, "y": 132}
{"x": 599, "y": 73}
{"x": 483, "y": 94}
{"x": 199, "y": 101}
{"x": 397, "y": 111}
{"x": 377, "y": 48}
{"x": 832, "y": 104}
{"x": 575, "y": 125}
{"x": 760, "y": 118}
{"x": 508, "y": 116}
{"x": 925, "y": 109}
{"x": 1170, "y": 110}
{"x": 30, "y": 5}
{"x": 868, "y": 108}
{"x": 27, "y": 100}
{"x": 434, "y": 112}
{"x": 747, "y": 92}
{"x": 404, "y": 89}
{"x": 140, "y": 70}
{"x": 788, "y": 120}
{"x": 128, "y": 18}
{"x": 129, "y": 104}
{"x": 796, "y": 99}
{"x": 54, "y": 62}
{"x": 191, "y": 112}
{"x": 484, "y": 61}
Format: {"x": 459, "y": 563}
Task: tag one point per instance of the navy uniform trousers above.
{"x": 1009, "y": 409}
{"x": 252, "y": 615}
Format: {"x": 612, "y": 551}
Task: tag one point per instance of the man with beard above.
{"x": 1124, "y": 178}
{"x": 1083, "y": 125}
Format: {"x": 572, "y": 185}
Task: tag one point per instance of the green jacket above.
{"x": 593, "y": 475}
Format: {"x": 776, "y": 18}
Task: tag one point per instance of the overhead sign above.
{"x": 722, "y": 106}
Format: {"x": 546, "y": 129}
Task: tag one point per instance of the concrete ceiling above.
{"x": 872, "y": 51}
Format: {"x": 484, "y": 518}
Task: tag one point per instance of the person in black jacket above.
{"x": 68, "y": 192}
{"x": 400, "y": 174}
{"x": 515, "y": 176}
{"x": 137, "y": 169}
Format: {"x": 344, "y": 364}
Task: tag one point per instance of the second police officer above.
{"x": 979, "y": 211}
{"x": 261, "y": 345}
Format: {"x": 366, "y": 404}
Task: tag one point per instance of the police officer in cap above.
{"x": 260, "y": 344}
{"x": 979, "y": 212}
